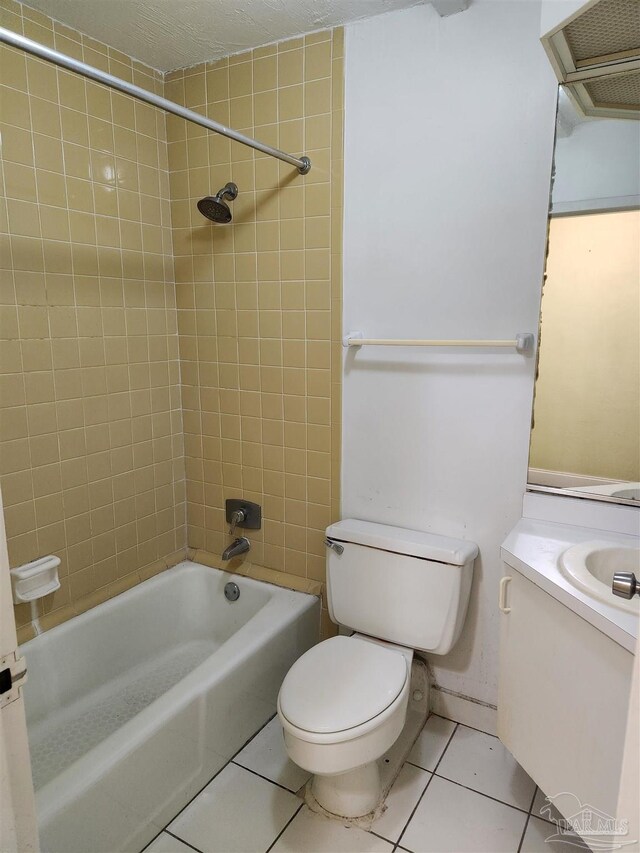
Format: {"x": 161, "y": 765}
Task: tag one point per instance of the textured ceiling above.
{"x": 169, "y": 34}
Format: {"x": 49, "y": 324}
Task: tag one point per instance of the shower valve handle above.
{"x": 242, "y": 513}
{"x": 239, "y": 515}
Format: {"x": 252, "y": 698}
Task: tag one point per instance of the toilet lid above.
{"x": 341, "y": 683}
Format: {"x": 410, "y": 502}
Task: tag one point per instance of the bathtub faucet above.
{"x": 237, "y": 547}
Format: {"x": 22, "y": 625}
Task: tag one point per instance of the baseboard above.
{"x": 464, "y": 709}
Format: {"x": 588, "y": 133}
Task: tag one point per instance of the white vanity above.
{"x": 566, "y": 651}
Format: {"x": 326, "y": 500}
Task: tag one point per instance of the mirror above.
{"x": 585, "y": 437}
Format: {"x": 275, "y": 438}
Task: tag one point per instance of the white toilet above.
{"x": 344, "y": 702}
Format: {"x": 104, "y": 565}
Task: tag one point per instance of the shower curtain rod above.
{"x": 303, "y": 164}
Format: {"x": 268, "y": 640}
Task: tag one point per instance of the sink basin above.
{"x": 590, "y": 566}
{"x": 629, "y": 494}
{"x": 627, "y": 490}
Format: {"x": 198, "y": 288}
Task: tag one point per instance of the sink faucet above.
{"x": 237, "y": 547}
{"x": 625, "y": 585}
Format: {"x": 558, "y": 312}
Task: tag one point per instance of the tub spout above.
{"x": 237, "y": 547}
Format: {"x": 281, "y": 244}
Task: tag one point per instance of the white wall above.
{"x": 598, "y": 166}
{"x": 556, "y": 12}
{"x": 449, "y": 135}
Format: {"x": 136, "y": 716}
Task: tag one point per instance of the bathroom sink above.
{"x": 627, "y": 490}
{"x": 590, "y": 566}
{"x": 629, "y": 494}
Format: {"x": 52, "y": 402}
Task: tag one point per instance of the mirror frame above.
{"x": 588, "y": 496}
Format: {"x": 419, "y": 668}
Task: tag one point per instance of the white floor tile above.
{"x": 401, "y": 801}
{"x": 431, "y": 743}
{"x": 538, "y": 831}
{"x": 236, "y": 813}
{"x": 481, "y": 762}
{"x": 541, "y": 808}
{"x": 164, "y": 843}
{"x": 267, "y": 756}
{"x": 312, "y": 833}
{"x": 452, "y": 819}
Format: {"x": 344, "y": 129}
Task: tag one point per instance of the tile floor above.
{"x": 460, "y": 790}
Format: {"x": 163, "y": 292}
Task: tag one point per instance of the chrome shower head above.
{"x": 215, "y": 208}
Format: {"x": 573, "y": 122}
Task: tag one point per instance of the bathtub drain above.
{"x": 232, "y": 591}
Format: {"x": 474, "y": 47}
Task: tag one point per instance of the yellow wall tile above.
{"x": 67, "y": 424}
{"x": 92, "y": 454}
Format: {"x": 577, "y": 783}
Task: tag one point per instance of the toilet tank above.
{"x": 403, "y": 586}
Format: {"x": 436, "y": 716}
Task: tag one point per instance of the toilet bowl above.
{"x": 341, "y": 707}
{"x": 343, "y": 704}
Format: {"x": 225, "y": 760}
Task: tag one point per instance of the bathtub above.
{"x": 133, "y": 706}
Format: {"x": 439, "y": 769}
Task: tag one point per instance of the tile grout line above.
{"x": 433, "y": 773}
{"x": 481, "y": 793}
{"x": 377, "y": 835}
{"x": 182, "y": 841}
{"x": 526, "y": 823}
{"x": 538, "y": 815}
{"x": 467, "y": 726}
{"x": 155, "y": 838}
{"x": 260, "y": 776}
{"x": 418, "y": 766}
{"x": 285, "y": 827}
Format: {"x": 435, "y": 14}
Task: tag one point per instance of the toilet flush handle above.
{"x": 335, "y": 546}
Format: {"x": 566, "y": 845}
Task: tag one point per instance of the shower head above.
{"x": 215, "y": 208}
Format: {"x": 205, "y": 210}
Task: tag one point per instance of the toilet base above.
{"x": 326, "y": 795}
{"x": 351, "y": 794}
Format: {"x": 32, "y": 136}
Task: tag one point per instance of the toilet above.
{"x": 343, "y": 704}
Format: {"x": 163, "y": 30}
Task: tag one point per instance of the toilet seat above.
{"x": 341, "y": 684}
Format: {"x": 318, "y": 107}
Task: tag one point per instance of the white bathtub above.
{"x": 133, "y": 706}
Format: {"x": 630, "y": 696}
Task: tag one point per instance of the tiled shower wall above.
{"x": 91, "y": 453}
{"x": 259, "y": 300}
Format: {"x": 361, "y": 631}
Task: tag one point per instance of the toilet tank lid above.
{"x": 400, "y": 540}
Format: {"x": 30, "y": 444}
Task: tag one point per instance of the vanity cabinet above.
{"x": 563, "y": 697}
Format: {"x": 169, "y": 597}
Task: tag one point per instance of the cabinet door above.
{"x": 629, "y": 799}
{"x": 563, "y": 698}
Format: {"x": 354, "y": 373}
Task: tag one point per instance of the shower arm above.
{"x": 303, "y": 164}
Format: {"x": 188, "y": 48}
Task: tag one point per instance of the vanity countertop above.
{"x": 534, "y": 547}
